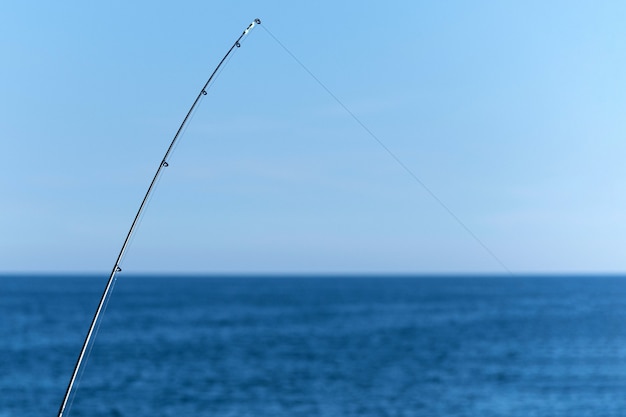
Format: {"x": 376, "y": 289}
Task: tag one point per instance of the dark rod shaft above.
{"x": 116, "y": 267}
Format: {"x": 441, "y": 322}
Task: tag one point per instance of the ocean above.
{"x": 317, "y": 346}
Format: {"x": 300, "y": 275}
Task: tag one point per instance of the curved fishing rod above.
{"x": 116, "y": 267}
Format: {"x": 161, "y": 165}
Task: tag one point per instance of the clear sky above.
{"x": 512, "y": 113}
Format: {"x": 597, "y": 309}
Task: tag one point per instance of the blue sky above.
{"x": 510, "y": 112}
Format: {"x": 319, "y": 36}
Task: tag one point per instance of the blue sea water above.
{"x": 317, "y": 346}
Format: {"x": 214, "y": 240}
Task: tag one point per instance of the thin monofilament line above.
{"x": 392, "y": 155}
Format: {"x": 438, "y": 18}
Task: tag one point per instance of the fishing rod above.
{"x": 116, "y": 266}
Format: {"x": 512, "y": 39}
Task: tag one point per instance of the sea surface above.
{"x": 316, "y": 346}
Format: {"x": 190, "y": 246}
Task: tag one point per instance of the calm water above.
{"x": 185, "y": 346}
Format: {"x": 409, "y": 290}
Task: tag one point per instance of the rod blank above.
{"x": 116, "y": 267}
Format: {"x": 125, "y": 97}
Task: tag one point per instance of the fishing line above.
{"x": 392, "y": 154}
